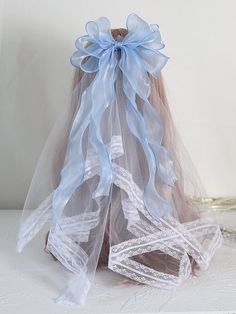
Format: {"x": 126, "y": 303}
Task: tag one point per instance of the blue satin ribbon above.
{"x": 137, "y": 56}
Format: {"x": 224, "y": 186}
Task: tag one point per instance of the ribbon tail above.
{"x": 95, "y": 99}
{"x": 156, "y": 205}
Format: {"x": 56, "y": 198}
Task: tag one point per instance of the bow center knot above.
{"x": 118, "y": 45}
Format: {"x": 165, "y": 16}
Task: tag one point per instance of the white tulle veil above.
{"x": 114, "y": 166}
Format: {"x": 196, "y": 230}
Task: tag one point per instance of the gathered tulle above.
{"x": 112, "y": 166}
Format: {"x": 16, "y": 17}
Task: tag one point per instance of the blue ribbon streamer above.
{"x": 137, "y": 56}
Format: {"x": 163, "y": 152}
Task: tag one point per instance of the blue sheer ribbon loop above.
{"x": 137, "y": 57}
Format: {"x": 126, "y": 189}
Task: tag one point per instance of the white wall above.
{"x": 37, "y": 39}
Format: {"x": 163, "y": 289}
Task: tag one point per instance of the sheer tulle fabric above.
{"x": 154, "y": 246}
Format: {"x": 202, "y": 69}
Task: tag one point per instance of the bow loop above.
{"x": 99, "y": 30}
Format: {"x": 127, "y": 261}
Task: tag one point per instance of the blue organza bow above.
{"x": 137, "y": 57}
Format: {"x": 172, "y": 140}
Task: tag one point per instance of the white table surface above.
{"x": 31, "y": 280}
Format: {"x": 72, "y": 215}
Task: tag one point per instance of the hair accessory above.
{"x": 110, "y": 170}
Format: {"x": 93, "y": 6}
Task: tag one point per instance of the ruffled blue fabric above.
{"x": 137, "y": 56}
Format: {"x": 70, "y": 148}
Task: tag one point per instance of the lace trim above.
{"x": 115, "y": 150}
{"x": 130, "y": 212}
{"x": 74, "y": 258}
{"x": 36, "y": 220}
{"x": 170, "y": 242}
{"x": 43, "y": 213}
{"x": 167, "y": 235}
{"x": 67, "y": 251}
{"x": 78, "y": 227}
